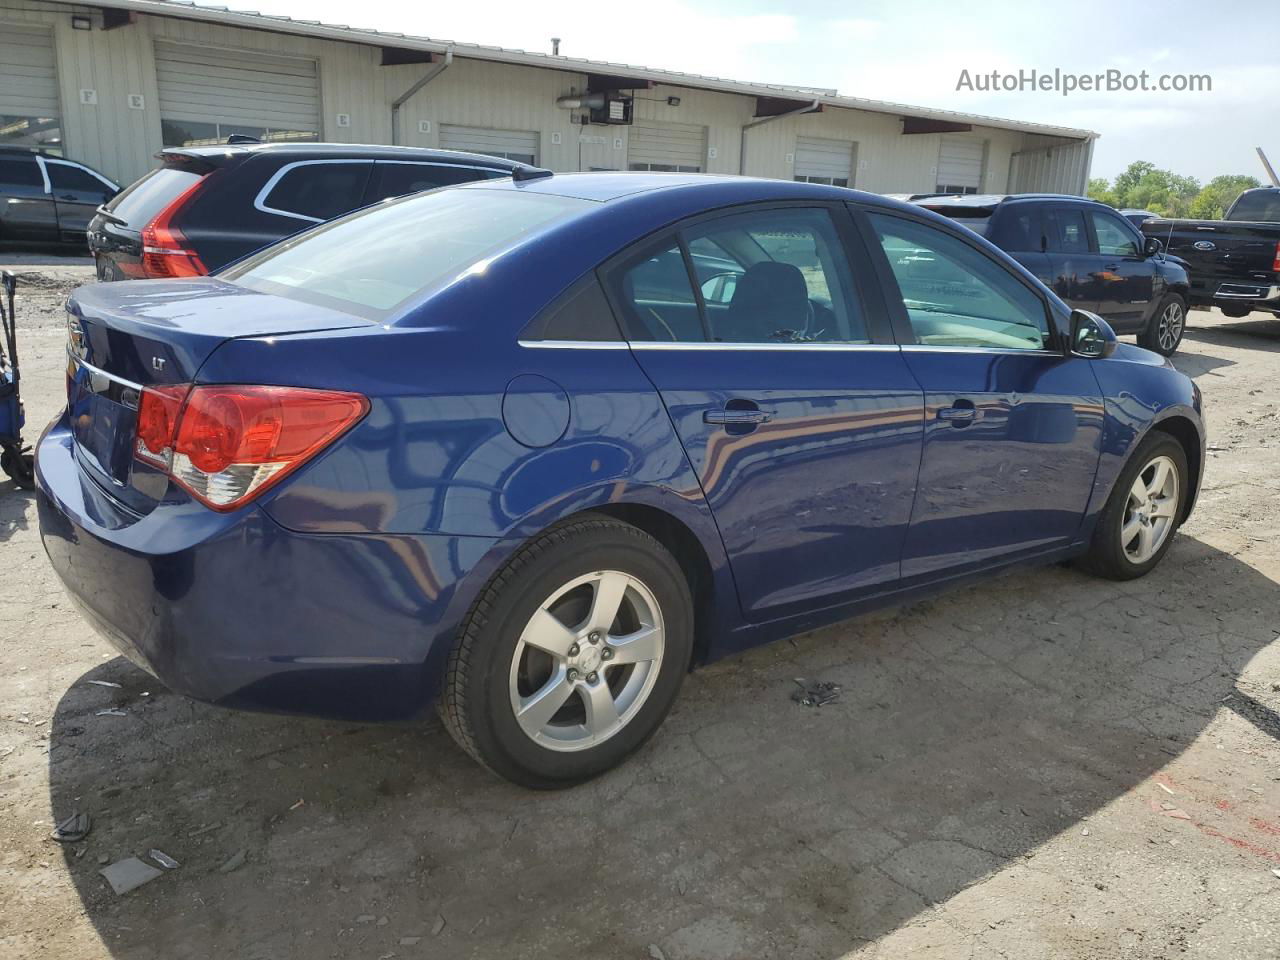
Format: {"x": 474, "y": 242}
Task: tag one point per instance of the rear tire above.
{"x": 1144, "y": 511}
{"x": 540, "y": 689}
{"x": 1164, "y": 330}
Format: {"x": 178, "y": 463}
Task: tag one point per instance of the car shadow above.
{"x": 972, "y": 728}
{"x": 1264, "y": 334}
{"x": 14, "y": 501}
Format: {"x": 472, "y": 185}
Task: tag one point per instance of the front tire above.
{"x": 572, "y": 656}
{"x": 1164, "y": 330}
{"x": 1137, "y": 525}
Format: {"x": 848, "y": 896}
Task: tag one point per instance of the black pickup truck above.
{"x": 1234, "y": 262}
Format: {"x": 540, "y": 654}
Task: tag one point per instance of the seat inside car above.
{"x": 770, "y": 297}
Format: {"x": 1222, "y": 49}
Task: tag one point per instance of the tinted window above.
{"x": 406, "y": 247}
{"x": 581, "y": 313}
{"x": 1114, "y": 238}
{"x": 957, "y": 296}
{"x": 1261, "y": 205}
{"x": 397, "y": 179}
{"x": 74, "y": 179}
{"x": 319, "y": 191}
{"x": 141, "y": 202}
{"x": 20, "y": 171}
{"x": 657, "y": 298}
{"x": 1018, "y": 229}
{"x": 1065, "y": 230}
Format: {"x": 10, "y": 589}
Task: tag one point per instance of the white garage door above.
{"x": 960, "y": 165}
{"x": 28, "y": 87}
{"x": 521, "y": 145}
{"x": 206, "y": 95}
{"x": 667, "y": 147}
{"x": 824, "y": 161}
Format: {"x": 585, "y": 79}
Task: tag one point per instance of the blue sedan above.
{"x": 527, "y": 450}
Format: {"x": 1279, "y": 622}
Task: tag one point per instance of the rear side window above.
{"x": 372, "y": 262}
{"x": 141, "y": 202}
{"x": 20, "y": 171}
{"x": 316, "y": 190}
{"x": 397, "y": 179}
{"x": 1017, "y": 229}
{"x": 1066, "y": 231}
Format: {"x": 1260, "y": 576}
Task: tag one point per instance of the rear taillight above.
{"x": 1275, "y": 264}
{"x": 165, "y": 251}
{"x": 227, "y": 444}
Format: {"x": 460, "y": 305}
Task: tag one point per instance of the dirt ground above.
{"x": 1046, "y": 765}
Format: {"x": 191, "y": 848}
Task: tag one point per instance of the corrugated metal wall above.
{"x": 1050, "y": 165}
{"x": 121, "y": 141}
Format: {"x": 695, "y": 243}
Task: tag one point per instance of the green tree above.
{"x": 1100, "y": 190}
{"x": 1132, "y": 175}
{"x": 1213, "y": 201}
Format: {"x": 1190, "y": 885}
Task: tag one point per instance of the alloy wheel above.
{"x": 587, "y": 661}
{"x": 1169, "y": 330}
{"x": 1150, "y": 510}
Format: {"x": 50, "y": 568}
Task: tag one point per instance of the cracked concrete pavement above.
{"x": 1043, "y": 765}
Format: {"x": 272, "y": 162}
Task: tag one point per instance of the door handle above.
{"x": 961, "y": 414}
{"x": 736, "y": 418}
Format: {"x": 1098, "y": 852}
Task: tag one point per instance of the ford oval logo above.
{"x": 1205, "y": 245}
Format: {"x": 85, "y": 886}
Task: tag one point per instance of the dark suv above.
{"x": 1089, "y": 255}
{"x": 207, "y": 206}
{"x": 46, "y": 199}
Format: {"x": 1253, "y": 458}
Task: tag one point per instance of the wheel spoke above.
{"x": 537, "y": 710}
{"x": 602, "y": 712}
{"x": 639, "y": 647}
{"x": 1138, "y": 492}
{"x": 1159, "y": 478}
{"x": 548, "y": 634}
{"x": 1163, "y": 508}
{"x": 1146, "y": 542}
{"x": 609, "y": 590}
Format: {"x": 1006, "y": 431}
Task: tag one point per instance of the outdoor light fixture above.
{"x": 673, "y": 101}
{"x": 79, "y": 22}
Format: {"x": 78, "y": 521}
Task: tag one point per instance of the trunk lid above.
{"x": 122, "y": 337}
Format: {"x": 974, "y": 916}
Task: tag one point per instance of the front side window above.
{"x": 317, "y": 191}
{"x": 1113, "y": 238}
{"x": 767, "y": 277}
{"x": 957, "y": 296}
{"x": 371, "y": 263}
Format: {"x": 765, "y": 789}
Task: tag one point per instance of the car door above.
{"x": 26, "y": 206}
{"x": 77, "y": 194}
{"x": 395, "y": 178}
{"x": 795, "y": 408}
{"x": 1126, "y": 275}
{"x": 1013, "y": 422}
{"x": 1073, "y": 264}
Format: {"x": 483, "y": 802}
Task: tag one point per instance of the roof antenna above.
{"x": 555, "y": 46}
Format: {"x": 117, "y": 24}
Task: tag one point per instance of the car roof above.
{"x": 343, "y": 151}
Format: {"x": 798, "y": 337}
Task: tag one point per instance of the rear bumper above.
{"x": 1253, "y": 296}
{"x": 239, "y": 611}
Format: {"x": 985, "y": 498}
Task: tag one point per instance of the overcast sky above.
{"x": 914, "y": 52}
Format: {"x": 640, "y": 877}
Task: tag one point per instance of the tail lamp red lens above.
{"x": 1275, "y": 264}
{"x": 227, "y": 444}
{"x": 165, "y": 251}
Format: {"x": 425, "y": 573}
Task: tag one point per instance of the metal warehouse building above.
{"x": 111, "y": 84}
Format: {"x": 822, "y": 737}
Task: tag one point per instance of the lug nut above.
{"x": 593, "y": 637}
{"x": 592, "y": 677}
{"x": 607, "y": 653}
{"x": 573, "y": 651}
{"x": 573, "y": 675}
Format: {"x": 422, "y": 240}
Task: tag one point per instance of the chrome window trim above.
{"x": 70, "y": 163}
{"x": 932, "y": 348}
{"x": 767, "y": 347}
{"x": 44, "y": 175}
{"x": 101, "y": 383}
{"x": 573, "y": 344}
{"x": 260, "y": 201}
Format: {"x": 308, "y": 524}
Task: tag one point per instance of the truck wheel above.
{"x": 1165, "y": 328}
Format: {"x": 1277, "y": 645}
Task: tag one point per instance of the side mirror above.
{"x": 1091, "y": 336}
{"x": 1152, "y": 246}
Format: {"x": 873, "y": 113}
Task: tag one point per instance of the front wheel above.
{"x": 1137, "y": 525}
{"x": 572, "y": 656}
{"x": 1166, "y": 326}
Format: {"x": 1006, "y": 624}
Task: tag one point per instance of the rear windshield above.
{"x": 1256, "y": 205}
{"x": 975, "y": 218}
{"x": 374, "y": 260}
{"x": 141, "y": 202}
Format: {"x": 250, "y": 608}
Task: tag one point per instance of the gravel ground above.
{"x": 1042, "y": 766}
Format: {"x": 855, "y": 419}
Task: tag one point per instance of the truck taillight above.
{"x": 227, "y": 444}
{"x": 165, "y": 251}
{"x": 1275, "y": 264}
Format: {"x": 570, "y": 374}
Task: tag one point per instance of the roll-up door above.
{"x": 960, "y": 165}
{"x": 520, "y": 145}
{"x": 824, "y": 161}
{"x": 28, "y": 87}
{"x": 208, "y": 94}
{"x": 668, "y": 147}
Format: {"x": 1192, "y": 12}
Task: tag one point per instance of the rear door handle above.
{"x": 736, "y": 417}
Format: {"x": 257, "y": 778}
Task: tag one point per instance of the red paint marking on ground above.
{"x": 1240, "y": 844}
{"x": 1259, "y": 824}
